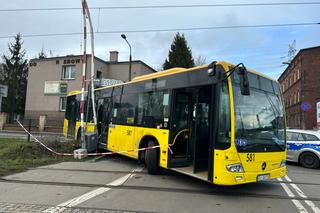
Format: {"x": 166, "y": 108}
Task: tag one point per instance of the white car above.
{"x": 303, "y": 146}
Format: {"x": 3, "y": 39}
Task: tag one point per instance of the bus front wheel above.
{"x": 152, "y": 158}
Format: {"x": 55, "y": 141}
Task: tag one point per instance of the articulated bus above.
{"x": 220, "y": 122}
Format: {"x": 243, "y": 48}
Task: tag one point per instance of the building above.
{"x": 300, "y": 86}
{"x": 50, "y": 80}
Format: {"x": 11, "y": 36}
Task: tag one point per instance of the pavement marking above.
{"x": 297, "y": 203}
{"x": 87, "y": 196}
{"x": 301, "y": 194}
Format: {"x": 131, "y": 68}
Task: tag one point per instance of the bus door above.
{"x": 104, "y": 113}
{"x": 180, "y": 128}
{"x": 73, "y": 106}
{"x": 201, "y": 129}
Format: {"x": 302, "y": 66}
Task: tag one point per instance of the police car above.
{"x": 303, "y": 147}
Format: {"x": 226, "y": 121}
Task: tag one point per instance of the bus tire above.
{"x": 309, "y": 160}
{"x": 152, "y": 159}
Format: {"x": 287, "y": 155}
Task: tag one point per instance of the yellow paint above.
{"x": 65, "y": 127}
{"x": 74, "y": 92}
{"x": 126, "y": 138}
{"x": 251, "y": 169}
{"x": 222, "y": 158}
{"x": 122, "y": 138}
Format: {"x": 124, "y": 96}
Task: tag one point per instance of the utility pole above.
{"x": 86, "y": 16}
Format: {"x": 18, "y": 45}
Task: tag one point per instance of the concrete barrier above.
{"x": 42, "y": 122}
{"x": 3, "y": 120}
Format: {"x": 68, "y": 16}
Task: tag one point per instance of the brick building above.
{"x": 51, "y": 79}
{"x": 300, "y": 86}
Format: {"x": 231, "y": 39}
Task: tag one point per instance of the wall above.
{"x": 37, "y": 103}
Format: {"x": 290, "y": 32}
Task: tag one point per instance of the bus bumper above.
{"x": 229, "y": 178}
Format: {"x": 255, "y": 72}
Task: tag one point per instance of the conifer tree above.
{"x": 14, "y": 75}
{"x": 180, "y": 54}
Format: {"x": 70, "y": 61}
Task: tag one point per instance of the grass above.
{"x": 19, "y": 155}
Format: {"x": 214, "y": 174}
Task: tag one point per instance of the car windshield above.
{"x": 259, "y": 122}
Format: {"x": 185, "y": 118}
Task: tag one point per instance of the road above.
{"x": 119, "y": 184}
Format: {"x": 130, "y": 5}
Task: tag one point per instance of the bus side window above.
{"x": 224, "y": 141}
{"x": 153, "y": 109}
{"x": 124, "y": 112}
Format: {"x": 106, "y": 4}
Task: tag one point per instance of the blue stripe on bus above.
{"x": 297, "y": 147}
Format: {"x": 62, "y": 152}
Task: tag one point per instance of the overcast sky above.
{"x": 262, "y": 49}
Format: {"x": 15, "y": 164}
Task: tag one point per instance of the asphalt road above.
{"x": 118, "y": 184}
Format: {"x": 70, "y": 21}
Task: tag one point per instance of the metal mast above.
{"x": 84, "y": 63}
{"x": 92, "y": 63}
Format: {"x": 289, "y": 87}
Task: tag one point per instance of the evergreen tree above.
{"x": 42, "y": 54}
{"x": 180, "y": 54}
{"x": 15, "y": 71}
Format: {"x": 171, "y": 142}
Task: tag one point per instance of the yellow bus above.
{"x": 219, "y": 122}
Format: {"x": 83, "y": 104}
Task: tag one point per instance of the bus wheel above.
{"x": 152, "y": 159}
{"x": 309, "y": 160}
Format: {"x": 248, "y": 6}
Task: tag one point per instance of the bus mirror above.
{"x": 212, "y": 69}
{"x": 244, "y": 82}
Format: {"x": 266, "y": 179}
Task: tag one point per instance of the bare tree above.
{"x": 200, "y": 60}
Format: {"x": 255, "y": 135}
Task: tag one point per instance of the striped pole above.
{"x": 84, "y": 63}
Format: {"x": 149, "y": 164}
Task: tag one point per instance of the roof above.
{"x": 296, "y": 56}
{"x": 99, "y": 59}
{"x": 177, "y": 70}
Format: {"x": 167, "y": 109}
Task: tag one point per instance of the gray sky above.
{"x": 262, "y": 49}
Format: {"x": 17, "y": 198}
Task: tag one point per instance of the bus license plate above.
{"x": 263, "y": 177}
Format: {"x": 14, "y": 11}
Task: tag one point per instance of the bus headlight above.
{"x": 235, "y": 167}
{"x": 282, "y": 164}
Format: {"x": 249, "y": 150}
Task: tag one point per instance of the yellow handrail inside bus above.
{"x": 175, "y": 138}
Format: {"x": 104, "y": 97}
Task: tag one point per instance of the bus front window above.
{"x": 259, "y": 121}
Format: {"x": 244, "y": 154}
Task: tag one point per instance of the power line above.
{"x": 163, "y": 6}
{"x": 167, "y": 30}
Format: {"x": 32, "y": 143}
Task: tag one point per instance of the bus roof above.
{"x": 177, "y": 70}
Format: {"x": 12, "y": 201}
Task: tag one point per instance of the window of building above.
{"x": 298, "y": 96}
{"x": 294, "y": 98}
{"x": 68, "y": 72}
{"x": 298, "y": 74}
{"x": 99, "y": 74}
{"x": 63, "y": 103}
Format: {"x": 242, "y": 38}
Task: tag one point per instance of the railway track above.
{"x": 212, "y": 191}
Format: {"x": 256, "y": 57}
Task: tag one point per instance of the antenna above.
{"x": 291, "y": 52}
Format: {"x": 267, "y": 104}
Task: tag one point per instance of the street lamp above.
{"x": 130, "y": 57}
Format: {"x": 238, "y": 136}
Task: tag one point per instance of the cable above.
{"x": 163, "y": 6}
{"x": 168, "y": 30}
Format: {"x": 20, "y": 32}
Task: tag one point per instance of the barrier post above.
{"x": 29, "y": 129}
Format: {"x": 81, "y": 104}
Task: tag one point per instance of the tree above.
{"x": 15, "y": 71}
{"x": 42, "y": 54}
{"x": 200, "y": 60}
{"x": 180, "y": 54}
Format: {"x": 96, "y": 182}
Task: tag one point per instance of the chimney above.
{"x": 114, "y": 56}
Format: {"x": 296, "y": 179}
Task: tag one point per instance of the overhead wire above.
{"x": 169, "y": 29}
{"x": 163, "y": 6}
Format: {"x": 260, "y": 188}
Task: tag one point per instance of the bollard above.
{"x": 29, "y": 129}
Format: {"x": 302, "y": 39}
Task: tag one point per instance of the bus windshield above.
{"x": 259, "y": 123}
